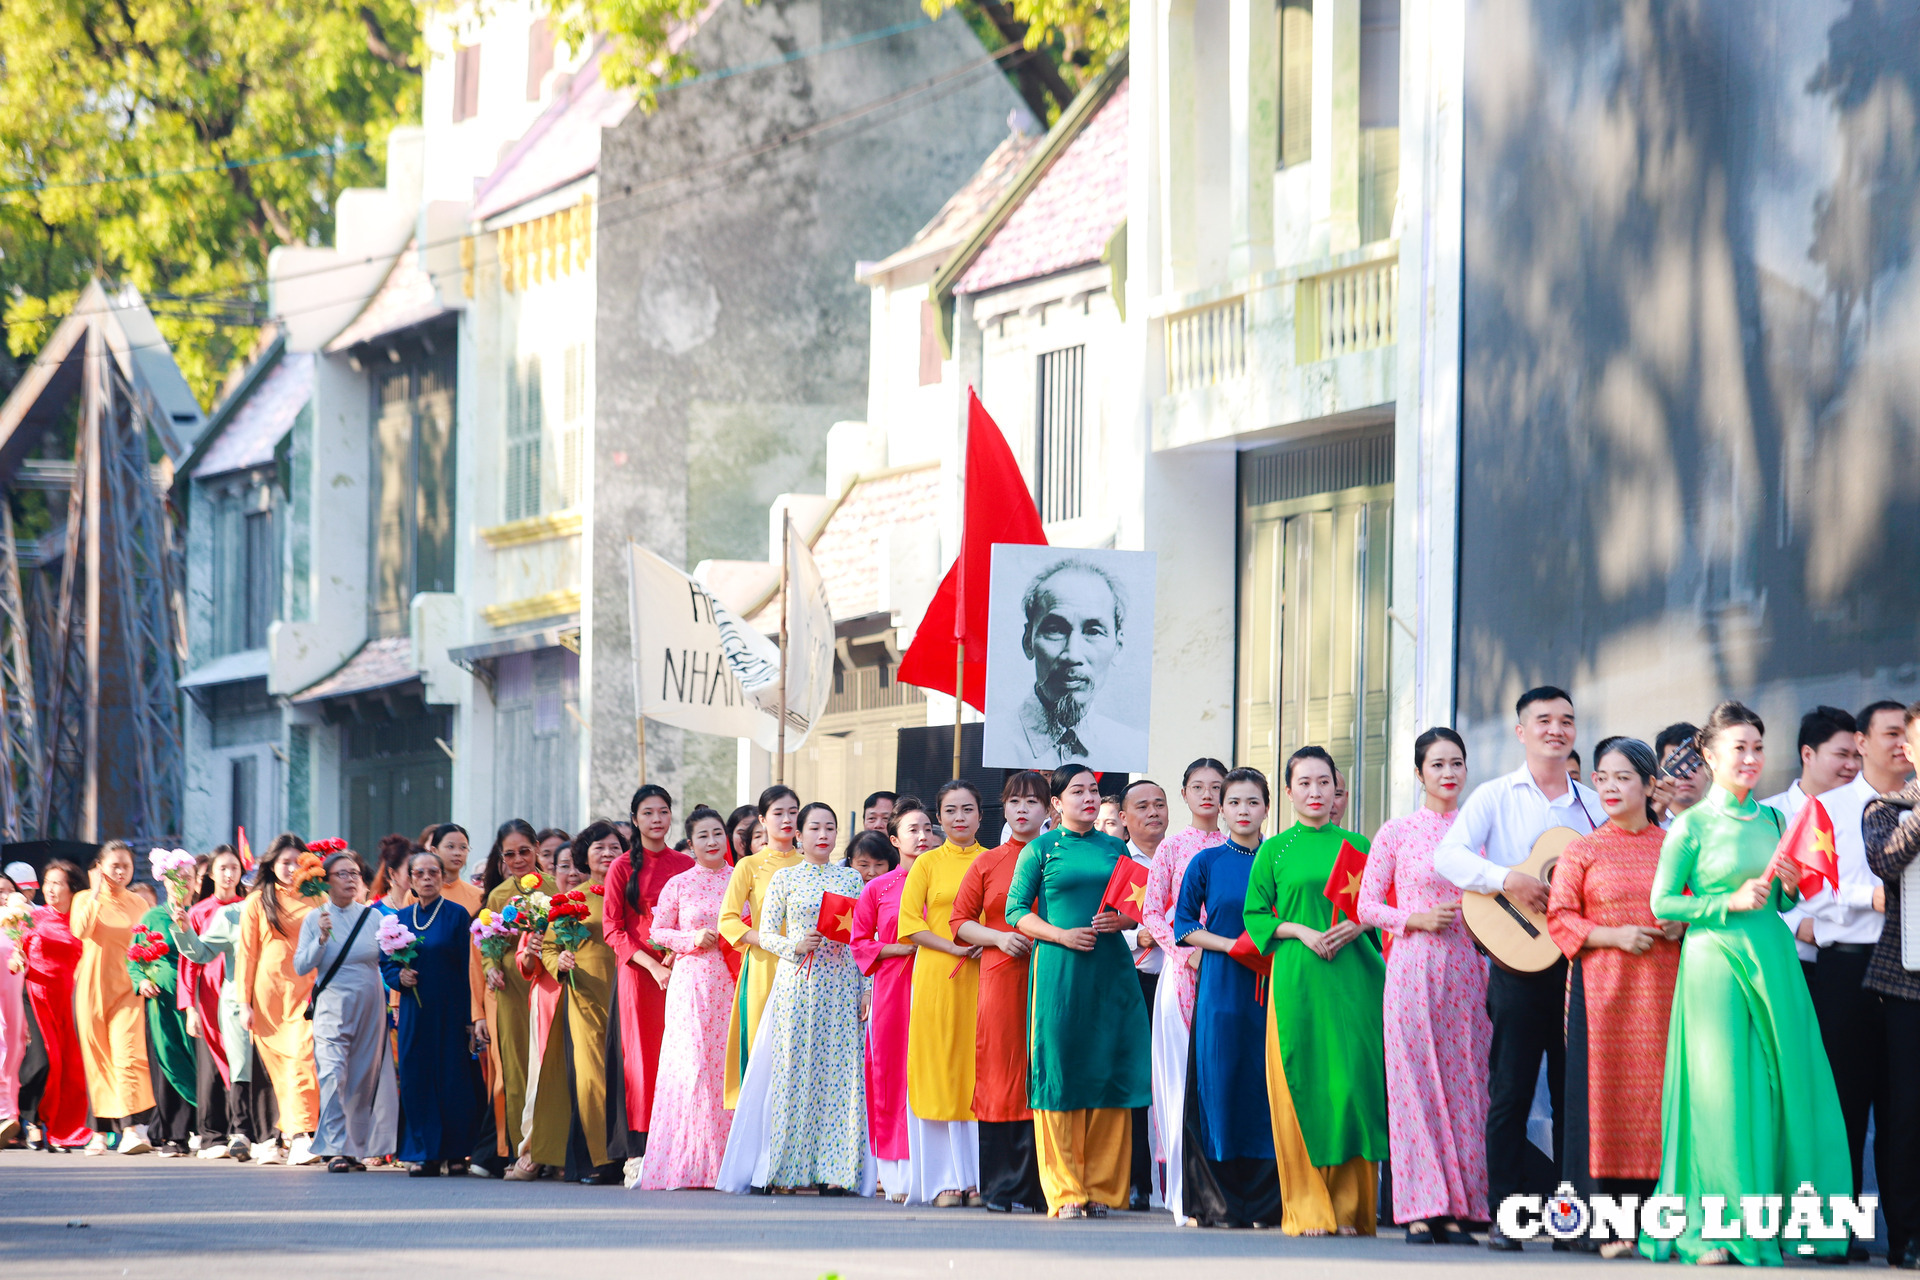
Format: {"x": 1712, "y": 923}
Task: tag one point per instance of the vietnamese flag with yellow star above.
{"x": 1809, "y": 842}
{"x": 1343, "y": 885}
{"x": 1127, "y": 889}
{"x": 836, "y": 917}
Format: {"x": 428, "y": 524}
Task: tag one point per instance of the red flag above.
{"x": 1343, "y": 884}
{"x": 1127, "y": 889}
{"x": 246, "y": 854}
{"x": 836, "y": 917}
{"x": 1809, "y": 842}
{"x": 1249, "y": 955}
{"x": 998, "y": 508}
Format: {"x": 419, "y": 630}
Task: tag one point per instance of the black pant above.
{"x": 172, "y": 1114}
{"x": 1896, "y": 1150}
{"x": 1009, "y": 1168}
{"x": 1527, "y": 1011}
{"x": 224, "y": 1113}
{"x": 1853, "y": 1026}
{"x": 263, "y": 1105}
{"x": 33, "y": 1066}
{"x": 1142, "y": 1177}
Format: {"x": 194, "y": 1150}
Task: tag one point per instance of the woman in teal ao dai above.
{"x": 1748, "y": 1105}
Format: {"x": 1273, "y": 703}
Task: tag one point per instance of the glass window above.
{"x": 525, "y": 414}
{"x": 1058, "y": 445}
{"x": 413, "y": 485}
{"x": 1379, "y": 117}
{"x": 1296, "y": 82}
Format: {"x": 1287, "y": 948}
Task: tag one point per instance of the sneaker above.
{"x": 630, "y": 1172}
{"x": 170, "y": 1150}
{"x": 133, "y": 1142}
{"x": 268, "y": 1153}
{"x": 193, "y": 1142}
{"x": 301, "y": 1151}
{"x": 239, "y": 1148}
{"x": 214, "y": 1151}
{"x": 96, "y": 1146}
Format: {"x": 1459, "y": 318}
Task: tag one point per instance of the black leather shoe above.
{"x": 1909, "y": 1257}
{"x": 1500, "y": 1242}
{"x": 1137, "y": 1203}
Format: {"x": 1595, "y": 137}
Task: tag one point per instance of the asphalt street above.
{"x": 142, "y": 1217}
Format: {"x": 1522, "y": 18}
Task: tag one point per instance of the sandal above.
{"x": 339, "y": 1164}
{"x": 1420, "y": 1231}
{"x": 1714, "y": 1258}
{"x": 1616, "y": 1249}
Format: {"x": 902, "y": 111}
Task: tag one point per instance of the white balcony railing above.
{"x": 1207, "y": 346}
{"x": 1342, "y": 312}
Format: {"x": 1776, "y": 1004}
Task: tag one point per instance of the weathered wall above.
{"x": 731, "y": 331}
{"x": 1690, "y": 413}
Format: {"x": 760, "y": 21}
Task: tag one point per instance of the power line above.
{"x": 249, "y": 162}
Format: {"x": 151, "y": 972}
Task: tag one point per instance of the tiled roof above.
{"x": 1071, "y": 212}
{"x": 250, "y": 435}
{"x": 405, "y": 299}
{"x": 964, "y": 209}
{"x": 379, "y": 664}
{"x": 850, "y": 550}
{"x": 562, "y": 146}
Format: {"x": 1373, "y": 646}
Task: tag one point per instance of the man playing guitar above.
{"x": 1496, "y": 831}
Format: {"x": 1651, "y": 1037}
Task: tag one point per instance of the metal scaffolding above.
{"x": 90, "y": 635}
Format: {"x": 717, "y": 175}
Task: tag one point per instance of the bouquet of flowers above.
{"x": 310, "y": 873}
{"x": 16, "y": 918}
{"x": 397, "y": 943}
{"x": 494, "y": 936}
{"x": 174, "y": 869}
{"x": 568, "y": 914}
{"x": 149, "y": 948}
{"x": 526, "y": 911}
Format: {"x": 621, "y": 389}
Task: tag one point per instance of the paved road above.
{"x": 153, "y": 1219}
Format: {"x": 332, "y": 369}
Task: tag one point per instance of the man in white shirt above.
{"x": 1143, "y": 815}
{"x": 1828, "y": 760}
{"x": 1853, "y": 1021}
{"x": 1494, "y": 833}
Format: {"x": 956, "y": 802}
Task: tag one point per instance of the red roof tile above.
{"x": 1070, "y": 214}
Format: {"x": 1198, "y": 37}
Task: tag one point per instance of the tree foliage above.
{"x": 146, "y": 141}
{"x": 1067, "y": 42}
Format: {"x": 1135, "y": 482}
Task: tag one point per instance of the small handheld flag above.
{"x": 1343, "y": 885}
{"x": 835, "y": 921}
{"x": 1126, "y": 889}
{"x": 1249, "y": 955}
{"x": 1809, "y": 842}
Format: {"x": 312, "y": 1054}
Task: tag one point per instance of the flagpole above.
{"x": 786, "y": 558}
{"x": 960, "y": 604}
{"x": 640, "y": 734}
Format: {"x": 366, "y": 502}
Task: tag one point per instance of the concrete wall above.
{"x": 1692, "y": 324}
{"x": 731, "y": 332}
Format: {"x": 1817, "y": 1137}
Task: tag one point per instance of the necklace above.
{"x": 438, "y": 902}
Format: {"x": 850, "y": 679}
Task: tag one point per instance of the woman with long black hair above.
{"x": 739, "y": 916}
{"x": 515, "y": 853}
{"x": 275, "y": 1007}
{"x": 639, "y": 1015}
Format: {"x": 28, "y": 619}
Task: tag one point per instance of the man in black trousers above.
{"x": 1494, "y": 833}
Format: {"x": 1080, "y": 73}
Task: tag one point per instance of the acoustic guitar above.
{"x": 1515, "y": 937}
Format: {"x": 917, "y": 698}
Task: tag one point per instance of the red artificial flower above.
{"x": 598, "y": 890}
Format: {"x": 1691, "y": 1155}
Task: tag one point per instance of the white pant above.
{"x": 942, "y": 1155}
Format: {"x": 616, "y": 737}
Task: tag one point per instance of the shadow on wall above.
{"x": 1691, "y": 462}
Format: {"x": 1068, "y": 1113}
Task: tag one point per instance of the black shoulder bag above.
{"x": 338, "y": 960}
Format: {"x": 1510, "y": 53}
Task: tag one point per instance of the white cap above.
{"x": 20, "y": 873}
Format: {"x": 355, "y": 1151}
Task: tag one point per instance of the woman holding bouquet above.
{"x": 275, "y": 1003}
{"x": 575, "y": 952}
{"x": 210, "y": 991}
{"x": 106, "y": 1005}
{"x": 49, "y": 955}
{"x": 818, "y": 1097}
{"x": 170, "y": 1061}
{"x": 515, "y": 853}
{"x": 639, "y": 1016}
{"x": 440, "y": 1087}
{"x": 687, "y": 1128}
{"x": 340, "y": 948}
